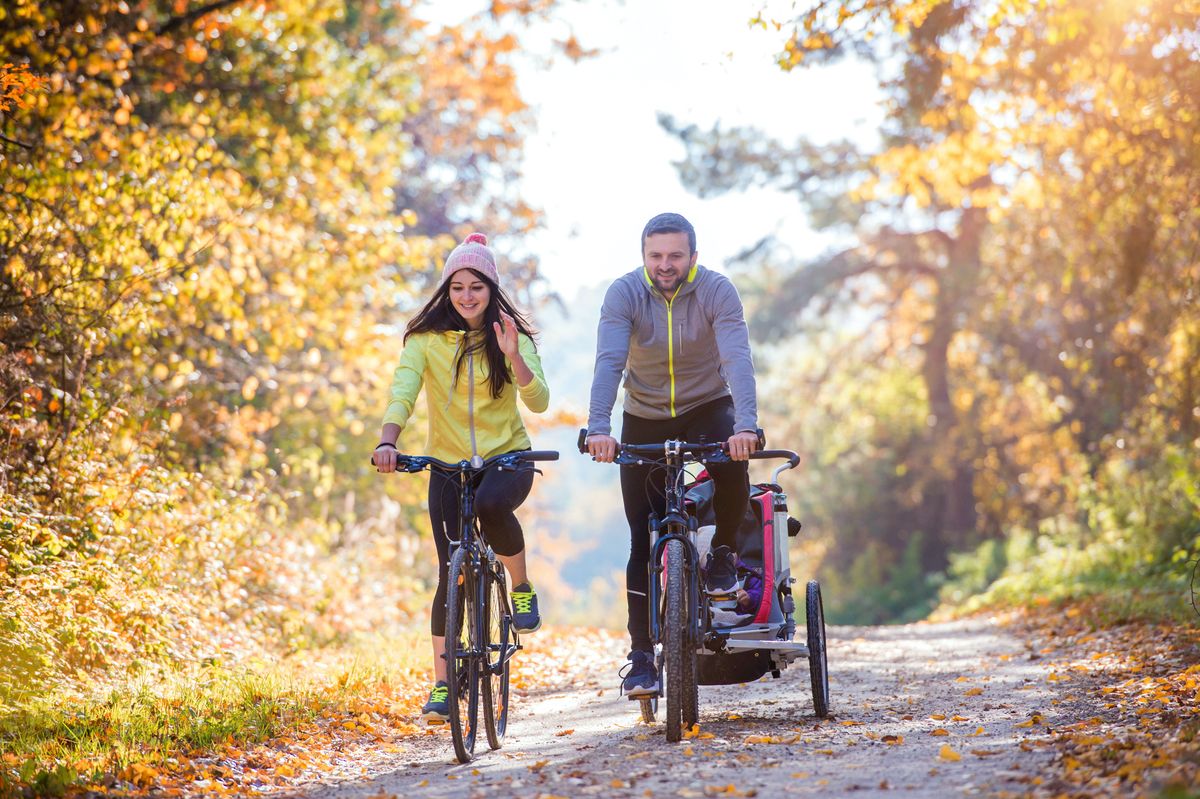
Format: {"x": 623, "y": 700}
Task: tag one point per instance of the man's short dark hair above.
{"x": 670, "y": 223}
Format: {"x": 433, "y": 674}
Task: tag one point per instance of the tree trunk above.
{"x": 949, "y": 512}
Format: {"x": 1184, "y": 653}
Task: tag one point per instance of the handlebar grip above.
{"x": 401, "y": 460}
{"x": 766, "y": 454}
{"x": 582, "y": 443}
{"x": 540, "y": 455}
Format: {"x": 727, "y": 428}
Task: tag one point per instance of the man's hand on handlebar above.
{"x": 602, "y": 448}
{"x": 742, "y": 444}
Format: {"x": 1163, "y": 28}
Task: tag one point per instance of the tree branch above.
{"x": 7, "y": 140}
{"x": 193, "y": 15}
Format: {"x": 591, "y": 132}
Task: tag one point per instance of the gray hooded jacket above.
{"x": 675, "y": 355}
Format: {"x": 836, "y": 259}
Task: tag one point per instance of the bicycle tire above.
{"x": 496, "y": 642}
{"x": 818, "y": 663}
{"x": 462, "y": 660}
{"x": 675, "y": 637}
{"x": 691, "y": 688}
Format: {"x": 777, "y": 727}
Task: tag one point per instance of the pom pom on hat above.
{"x": 474, "y": 254}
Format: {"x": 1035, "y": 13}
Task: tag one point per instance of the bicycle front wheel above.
{"x": 499, "y": 642}
{"x": 678, "y": 654}
{"x": 462, "y": 654}
{"x": 691, "y": 689}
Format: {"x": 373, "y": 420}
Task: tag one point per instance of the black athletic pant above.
{"x": 497, "y": 495}
{"x": 642, "y": 492}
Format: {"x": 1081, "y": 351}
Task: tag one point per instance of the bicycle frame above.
{"x": 474, "y": 573}
{"x": 676, "y": 525}
{"x": 678, "y": 656}
{"x": 478, "y": 553}
{"x": 482, "y": 563}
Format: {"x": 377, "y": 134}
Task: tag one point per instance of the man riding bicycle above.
{"x": 678, "y": 333}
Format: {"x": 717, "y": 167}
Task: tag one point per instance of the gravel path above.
{"x": 924, "y": 710}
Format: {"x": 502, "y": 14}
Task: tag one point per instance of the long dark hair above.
{"x": 438, "y": 315}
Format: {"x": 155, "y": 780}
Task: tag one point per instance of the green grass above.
{"x": 50, "y": 741}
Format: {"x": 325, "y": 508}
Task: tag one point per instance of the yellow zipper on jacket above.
{"x": 671, "y": 345}
{"x": 670, "y": 327}
{"x": 476, "y": 461}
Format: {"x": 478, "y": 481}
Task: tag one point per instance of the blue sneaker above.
{"x": 526, "y": 618}
{"x": 437, "y": 709}
{"x": 639, "y": 677}
{"x": 720, "y": 572}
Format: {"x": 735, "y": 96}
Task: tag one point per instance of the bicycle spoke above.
{"x": 498, "y": 643}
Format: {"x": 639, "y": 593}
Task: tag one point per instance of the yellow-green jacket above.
{"x": 464, "y": 418}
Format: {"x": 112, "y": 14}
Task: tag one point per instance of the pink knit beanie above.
{"x": 473, "y": 253}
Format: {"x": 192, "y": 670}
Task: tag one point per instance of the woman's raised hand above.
{"x": 506, "y": 335}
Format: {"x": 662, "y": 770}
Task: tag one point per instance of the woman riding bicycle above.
{"x": 474, "y": 352}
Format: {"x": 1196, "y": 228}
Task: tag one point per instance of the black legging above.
{"x": 497, "y": 495}
{"x": 642, "y": 493}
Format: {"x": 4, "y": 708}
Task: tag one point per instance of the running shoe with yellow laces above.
{"x": 437, "y": 709}
{"x": 526, "y": 618}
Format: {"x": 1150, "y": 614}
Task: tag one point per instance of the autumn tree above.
{"x": 208, "y": 235}
{"x": 1025, "y": 232}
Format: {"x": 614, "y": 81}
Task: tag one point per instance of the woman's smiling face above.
{"x": 470, "y": 297}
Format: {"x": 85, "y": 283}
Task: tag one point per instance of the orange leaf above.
{"x": 949, "y": 754}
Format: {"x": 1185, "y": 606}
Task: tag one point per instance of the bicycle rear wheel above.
{"x": 498, "y": 642}
{"x": 462, "y": 660}
{"x": 680, "y": 658}
{"x": 818, "y": 665}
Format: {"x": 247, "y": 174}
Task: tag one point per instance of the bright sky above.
{"x": 600, "y": 166}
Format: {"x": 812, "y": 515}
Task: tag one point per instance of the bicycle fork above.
{"x": 677, "y": 530}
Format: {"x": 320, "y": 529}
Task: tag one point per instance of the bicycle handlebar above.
{"x": 415, "y": 463}
{"x": 715, "y": 451}
{"x": 702, "y": 449}
{"x": 786, "y": 454}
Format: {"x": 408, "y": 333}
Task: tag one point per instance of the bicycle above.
{"x": 480, "y": 637}
{"x": 681, "y": 623}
